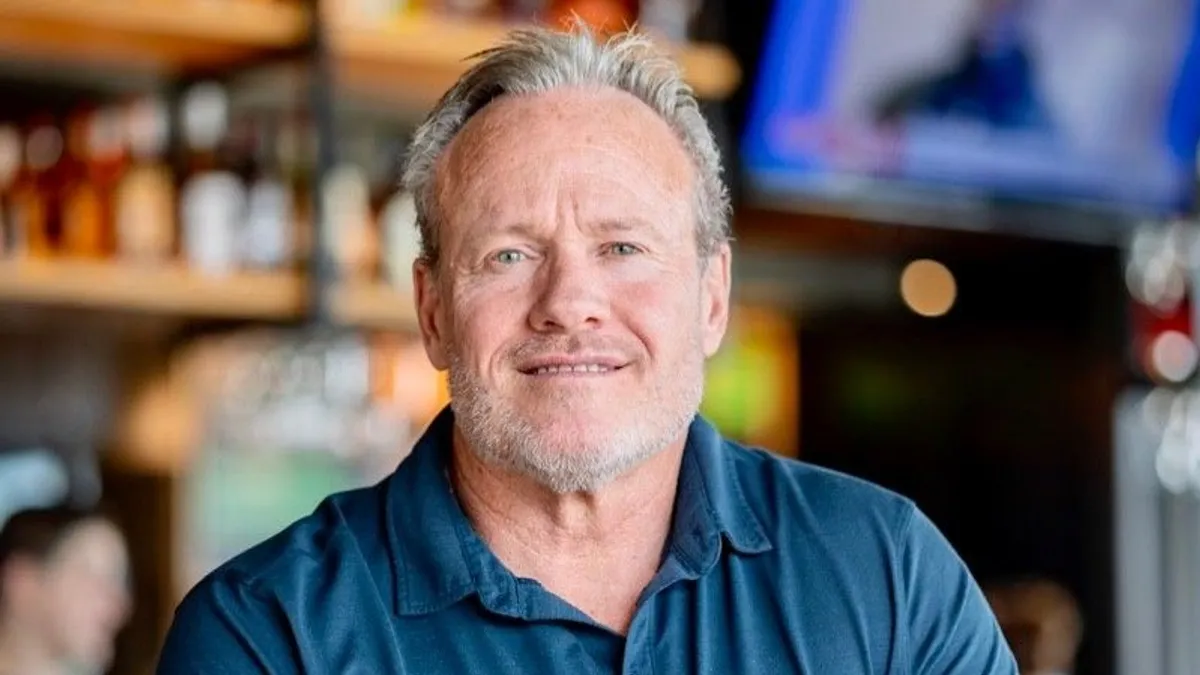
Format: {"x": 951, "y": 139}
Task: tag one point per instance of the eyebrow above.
{"x": 642, "y": 226}
{"x": 606, "y": 226}
{"x": 615, "y": 227}
{"x": 619, "y": 226}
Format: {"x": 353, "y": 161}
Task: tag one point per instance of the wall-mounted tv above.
{"x": 1091, "y": 104}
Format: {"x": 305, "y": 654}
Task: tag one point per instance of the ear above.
{"x": 429, "y": 313}
{"x": 716, "y": 285}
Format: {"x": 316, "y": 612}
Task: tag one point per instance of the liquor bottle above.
{"x": 212, "y": 199}
{"x": 109, "y": 160}
{"x": 36, "y": 212}
{"x": 401, "y": 240}
{"x": 267, "y": 235}
{"x": 10, "y": 166}
{"x": 144, "y": 208}
{"x": 349, "y": 226}
{"x": 79, "y": 200}
{"x": 93, "y": 166}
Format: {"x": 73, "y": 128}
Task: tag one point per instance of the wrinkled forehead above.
{"x": 599, "y": 142}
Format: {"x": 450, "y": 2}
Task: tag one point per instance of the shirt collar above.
{"x": 710, "y": 506}
{"x": 439, "y": 559}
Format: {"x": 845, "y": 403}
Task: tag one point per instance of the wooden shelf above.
{"x": 148, "y": 34}
{"x": 413, "y": 59}
{"x": 373, "y": 305}
{"x": 416, "y": 59}
{"x": 174, "y": 291}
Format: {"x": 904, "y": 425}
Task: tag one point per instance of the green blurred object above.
{"x": 238, "y": 498}
{"x": 741, "y": 389}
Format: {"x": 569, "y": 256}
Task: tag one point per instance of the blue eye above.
{"x": 622, "y": 248}
{"x": 508, "y": 257}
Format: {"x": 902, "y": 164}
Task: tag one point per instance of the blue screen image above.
{"x": 1090, "y": 102}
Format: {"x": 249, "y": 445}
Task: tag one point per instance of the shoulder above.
{"x": 786, "y": 493}
{"x": 821, "y": 518}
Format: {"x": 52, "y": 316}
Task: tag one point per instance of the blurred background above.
{"x": 965, "y": 269}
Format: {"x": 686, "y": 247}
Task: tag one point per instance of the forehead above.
{"x": 95, "y": 543}
{"x": 597, "y": 144}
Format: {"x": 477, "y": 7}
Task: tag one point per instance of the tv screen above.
{"x": 1086, "y": 103}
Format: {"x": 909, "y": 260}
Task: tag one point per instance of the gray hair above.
{"x": 538, "y": 60}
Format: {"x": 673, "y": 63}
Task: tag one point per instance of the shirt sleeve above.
{"x": 223, "y": 628}
{"x": 951, "y": 628}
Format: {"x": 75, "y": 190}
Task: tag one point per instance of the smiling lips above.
{"x": 571, "y": 366}
{"x": 578, "y": 369}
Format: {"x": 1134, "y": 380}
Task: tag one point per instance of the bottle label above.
{"x": 267, "y": 240}
{"x": 401, "y": 239}
{"x": 145, "y": 214}
{"x": 348, "y": 220}
{"x": 213, "y": 207}
{"x": 83, "y": 215}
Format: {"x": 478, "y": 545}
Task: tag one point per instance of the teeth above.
{"x": 580, "y": 368}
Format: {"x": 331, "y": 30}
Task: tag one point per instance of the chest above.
{"x": 738, "y": 618}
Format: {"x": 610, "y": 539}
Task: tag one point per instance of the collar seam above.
{"x": 714, "y": 515}
{"x": 441, "y": 601}
{"x": 755, "y": 536}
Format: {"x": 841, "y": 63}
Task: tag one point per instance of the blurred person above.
{"x": 993, "y": 79}
{"x": 570, "y": 511}
{"x": 1042, "y": 623}
{"x": 63, "y": 592}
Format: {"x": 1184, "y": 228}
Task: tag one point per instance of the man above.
{"x": 571, "y": 513}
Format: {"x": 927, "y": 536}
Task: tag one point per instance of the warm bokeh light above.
{"x": 928, "y": 288}
{"x": 1173, "y": 356}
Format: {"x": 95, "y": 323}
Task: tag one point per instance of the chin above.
{"x": 574, "y": 428}
{"x": 579, "y": 406}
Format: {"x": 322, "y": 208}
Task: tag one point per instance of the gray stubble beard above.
{"x": 504, "y": 437}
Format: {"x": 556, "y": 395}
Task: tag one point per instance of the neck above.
{"x": 24, "y": 654}
{"x": 596, "y": 550}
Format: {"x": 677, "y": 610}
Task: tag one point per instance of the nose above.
{"x": 570, "y": 295}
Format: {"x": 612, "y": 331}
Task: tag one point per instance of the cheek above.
{"x": 91, "y": 612}
{"x": 68, "y": 611}
{"x": 661, "y": 311}
{"x": 484, "y": 316}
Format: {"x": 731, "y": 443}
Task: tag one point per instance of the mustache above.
{"x": 568, "y": 345}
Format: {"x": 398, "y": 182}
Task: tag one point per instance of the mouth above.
{"x": 571, "y": 367}
{"x": 578, "y": 369}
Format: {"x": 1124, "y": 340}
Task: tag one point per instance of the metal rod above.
{"x": 322, "y": 268}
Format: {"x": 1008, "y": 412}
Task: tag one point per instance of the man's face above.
{"x": 570, "y": 304}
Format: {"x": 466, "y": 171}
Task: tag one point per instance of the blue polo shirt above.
{"x": 772, "y": 566}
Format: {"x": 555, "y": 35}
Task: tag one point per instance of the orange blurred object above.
{"x": 35, "y": 196}
{"x": 603, "y": 16}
